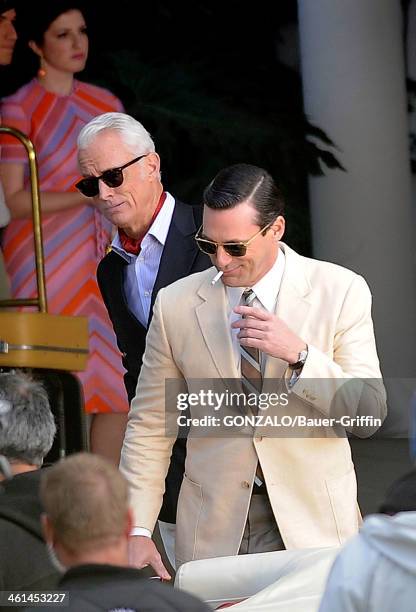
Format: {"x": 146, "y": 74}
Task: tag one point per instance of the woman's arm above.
{"x": 19, "y": 200}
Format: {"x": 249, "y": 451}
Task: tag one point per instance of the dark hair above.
{"x": 241, "y": 182}
{"x": 6, "y": 5}
{"x": 401, "y": 495}
{"x": 27, "y": 426}
{"x": 35, "y": 18}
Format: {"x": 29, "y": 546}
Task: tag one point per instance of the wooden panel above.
{"x": 57, "y": 342}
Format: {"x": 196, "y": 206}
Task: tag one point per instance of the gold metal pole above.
{"x": 41, "y": 300}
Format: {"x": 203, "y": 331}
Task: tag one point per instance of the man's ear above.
{"x": 47, "y": 528}
{"x": 32, "y": 45}
{"x": 278, "y": 227}
{"x": 153, "y": 166}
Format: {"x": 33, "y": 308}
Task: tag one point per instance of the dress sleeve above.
{"x": 12, "y": 115}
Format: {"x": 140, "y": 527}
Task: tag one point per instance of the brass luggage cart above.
{"x": 38, "y": 340}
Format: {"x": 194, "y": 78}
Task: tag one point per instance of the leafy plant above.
{"x": 197, "y": 132}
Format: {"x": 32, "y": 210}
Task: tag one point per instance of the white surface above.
{"x": 289, "y": 580}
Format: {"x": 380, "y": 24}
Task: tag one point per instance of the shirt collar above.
{"x": 266, "y": 289}
{"x": 158, "y": 230}
{"x": 160, "y": 226}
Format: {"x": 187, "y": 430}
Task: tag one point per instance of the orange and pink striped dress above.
{"x": 74, "y": 240}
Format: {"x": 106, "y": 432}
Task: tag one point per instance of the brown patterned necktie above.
{"x": 251, "y": 376}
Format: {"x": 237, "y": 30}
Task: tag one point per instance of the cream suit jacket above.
{"x": 310, "y": 477}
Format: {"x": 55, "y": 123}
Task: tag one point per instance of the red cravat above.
{"x": 133, "y": 245}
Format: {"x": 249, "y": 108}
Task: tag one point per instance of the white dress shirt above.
{"x": 142, "y": 269}
{"x": 266, "y": 290}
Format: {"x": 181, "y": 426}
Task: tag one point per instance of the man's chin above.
{"x": 116, "y": 217}
{"x": 232, "y": 280}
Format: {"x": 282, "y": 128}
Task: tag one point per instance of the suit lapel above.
{"x": 213, "y": 321}
{"x": 117, "y": 265}
{"x": 292, "y": 305}
{"x": 180, "y": 249}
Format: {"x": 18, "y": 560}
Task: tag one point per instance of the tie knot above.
{"x": 248, "y": 297}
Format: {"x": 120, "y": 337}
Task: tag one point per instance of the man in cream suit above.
{"x": 311, "y": 322}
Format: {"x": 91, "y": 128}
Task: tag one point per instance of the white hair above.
{"x": 131, "y": 131}
{"x": 27, "y": 426}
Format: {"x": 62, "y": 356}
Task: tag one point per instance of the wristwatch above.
{"x": 301, "y": 360}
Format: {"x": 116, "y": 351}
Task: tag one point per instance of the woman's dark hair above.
{"x": 6, "y": 5}
{"x": 35, "y": 18}
{"x": 235, "y": 184}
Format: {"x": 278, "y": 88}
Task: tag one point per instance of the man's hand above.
{"x": 263, "y": 330}
{"x": 143, "y": 552}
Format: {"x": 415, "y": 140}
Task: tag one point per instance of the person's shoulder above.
{"x": 193, "y": 210}
{"x": 109, "y": 268}
{"x": 115, "y": 588}
{"x": 109, "y": 258}
{"x": 189, "y": 284}
{"x": 185, "y": 290}
{"x": 189, "y": 215}
{"x": 350, "y": 577}
{"x": 187, "y": 205}
{"x": 100, "y": 95}
{"x": 21, "y": 94}
{"x": 321, "y": 271}
{"x": 173, "y": 599}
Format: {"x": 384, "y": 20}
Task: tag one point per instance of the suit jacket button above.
{"x": 245, "y": 484}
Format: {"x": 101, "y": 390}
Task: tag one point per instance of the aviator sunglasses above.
{"x": 235, "y": 249}
{"x": 112, "y": 178}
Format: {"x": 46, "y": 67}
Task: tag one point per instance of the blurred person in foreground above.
{"x": 8, "y": 34}
{"x": 376, "y": 571}
{"x": 89, "y": 537}
{"x": 51, "y": 110}
{"x": 8, "y": 39}
{"x": 27, "y": 430}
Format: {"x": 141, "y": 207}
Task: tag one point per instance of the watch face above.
{"x": 301, "y": 359}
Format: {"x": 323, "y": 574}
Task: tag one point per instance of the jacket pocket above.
{"x": 342, "y": 491}
{"x": 188, "y": 516}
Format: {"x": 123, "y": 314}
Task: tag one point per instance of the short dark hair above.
{"x": 27, "y": 426}
{"x": 241, "y": 182}
{"x": 6, "y": 5}
{"x": 401, "y": 495}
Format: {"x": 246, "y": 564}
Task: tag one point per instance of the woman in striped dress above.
{"x": 51, "y": 109}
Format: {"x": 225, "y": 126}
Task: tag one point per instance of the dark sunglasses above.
{"x": 112, "y": 178}
{"x": 235, "y": 249}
